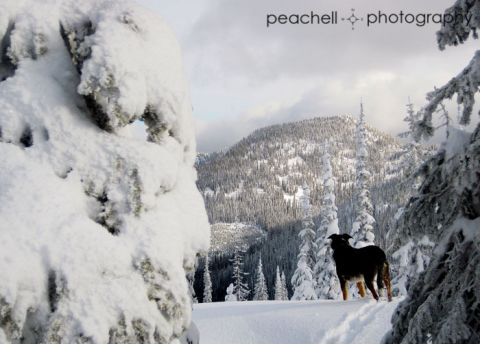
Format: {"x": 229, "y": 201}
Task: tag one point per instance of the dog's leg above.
{"x": 361, "y": 289}
{"x": 371, "y": 287}
{"x": 386, "y": 280}
{"x": 343, "y": 284}
{"x": 389, "y": 289}
{"x": 380, "y": 283}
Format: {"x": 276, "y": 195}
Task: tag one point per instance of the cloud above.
{"x": 244, "y": 75}
{"x": 232, "y": 39}
{"x": 384, "y": 94}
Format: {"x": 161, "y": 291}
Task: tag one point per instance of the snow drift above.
{"x": 97, "y": 227}
{"x": 287, "y": 322}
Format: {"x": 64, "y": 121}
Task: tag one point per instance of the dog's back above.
{"x": 353, "y": 263}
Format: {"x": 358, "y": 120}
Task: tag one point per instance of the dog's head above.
{"x": 339, "y": 240}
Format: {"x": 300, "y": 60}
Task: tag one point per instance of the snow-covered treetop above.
{"x": 361, "y": 136}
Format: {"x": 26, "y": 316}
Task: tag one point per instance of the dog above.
{"x": 360, "y": 265}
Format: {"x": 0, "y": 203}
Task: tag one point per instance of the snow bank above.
{"x": 358, "y": 321}
{"x": 97, "y": 228}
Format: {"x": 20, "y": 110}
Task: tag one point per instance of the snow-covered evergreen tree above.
{"x": 230, "y": 296}
{"x": 260, "y": 291}
{"x": 284, "y": 287}
{"x": 241, "y": 289}
{"x": 207, "y": 282}
{"x": 96, "y": 233}
{"x": 327, "y": 286}
{"x": 443, "y": 303}
{"x": 413, "y": 160}
{"x": 281, "y": 292}
{"x": 307, "y": 234}
{"x": 362, "y": 228}
{"x": 302, "y": 279}
{"x": 278, "y": 286}
{"x": 409, "y": 260}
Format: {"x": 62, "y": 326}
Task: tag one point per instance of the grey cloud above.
{"x": 236, "y": 64}
{"x": 384, "y": 95}
{"x": 232, "y": 36}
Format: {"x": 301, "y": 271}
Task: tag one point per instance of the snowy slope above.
{"x": 258, "y": 179}
{"x": 291, "y": 322}
{"x": 226, "y": 236}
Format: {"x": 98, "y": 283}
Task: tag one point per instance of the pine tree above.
{"x": 362, "y": 228}
{"x": 207, "y": 282}
{"x": 412, "y": 257}
{"x": 105, "y": 205}
{"x": 284, "y": 287}
{"x": 410, "y": 260}
{"x": 241, "y": 289}
{"x": 278, "y": 286}
{"x": 302, "y": 280}
{"x": 413, "y": 160}
{"x": 327, "y": 286}
{"x": 443, "y": 303}
{"x": 260, "y": 292}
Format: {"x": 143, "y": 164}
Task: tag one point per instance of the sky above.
{"x": 244, "y": 75}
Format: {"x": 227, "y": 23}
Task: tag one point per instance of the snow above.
{"x": 104, "y": 261}
{"x": 282, "y": 179}
{"x": 208, "y": 192}
{"x": 288, "y": 198}
{"x": 236, "y": 192}
{"x": 297, "y": 196}
{"x": 402, "y": 254}
{"x": 280, "y": 322}
{"x": 457, "y": 141}
{"x": 470, "y": 229}
{"x": 233, "y": 194}
{"x": 225, "y": 236}
{"x": 295, "y": 161}
{"x": 259, "y": 191}
{"x": 230, "y": 296}
{"x": 262, "y": 162}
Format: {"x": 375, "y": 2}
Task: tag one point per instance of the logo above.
{"x": 353, "y": 19}
{"x": 370, "y": 19}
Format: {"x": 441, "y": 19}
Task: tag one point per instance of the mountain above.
{"x": 258, "y": 181}
{"x": 225, "y": 236}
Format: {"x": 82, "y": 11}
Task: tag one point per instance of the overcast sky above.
{"x": 244, "y": 75}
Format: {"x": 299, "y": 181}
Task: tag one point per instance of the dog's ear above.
{"x": 332, "y": 236}
{"x": 347, "y": 236}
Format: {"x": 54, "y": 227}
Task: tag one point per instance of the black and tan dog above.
{"x": 360, "y": 265}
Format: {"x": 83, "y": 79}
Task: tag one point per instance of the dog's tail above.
{"x": 383, "y": 279}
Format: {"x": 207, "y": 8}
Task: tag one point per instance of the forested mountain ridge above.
{"x": 259, "y": 179}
